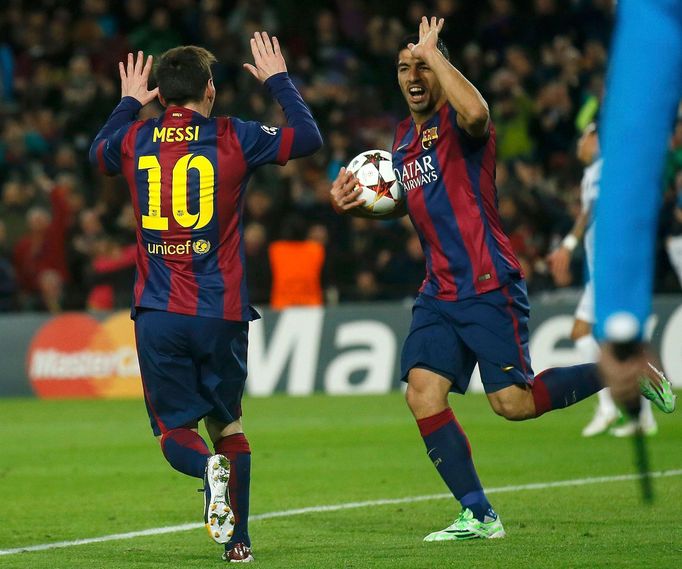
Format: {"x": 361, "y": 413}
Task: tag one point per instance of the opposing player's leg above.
{"x": 644, "y": 423}
{"x": 645, "y": 73}
{"x": 606, "y": 413}
{"x": 435, "y": 362}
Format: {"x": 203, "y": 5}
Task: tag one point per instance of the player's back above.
{"x": 187, "y": 175}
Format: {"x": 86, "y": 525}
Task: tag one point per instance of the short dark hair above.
{"x": 414, "y": 38}
{"x": 182, "y": 74}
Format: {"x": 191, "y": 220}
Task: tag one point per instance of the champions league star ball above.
{"x": 381, "y": 190}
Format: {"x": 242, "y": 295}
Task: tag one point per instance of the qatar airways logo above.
{"x": 417, "y": 173}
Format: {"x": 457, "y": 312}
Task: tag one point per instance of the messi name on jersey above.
{"x": 417, "y": 173}
{"x": 176, "y": 134}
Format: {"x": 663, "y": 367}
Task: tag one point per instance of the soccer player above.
{"x": 607, "y": 415}
{"x": 187, "y": 174}
{"x": 473, "y": 305}
{"x": 644, "y": 87}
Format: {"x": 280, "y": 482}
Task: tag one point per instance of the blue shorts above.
{"x": 449, "y": 337}
{"x": 192, "y": 367}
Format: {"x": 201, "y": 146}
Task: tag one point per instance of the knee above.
{"x": 512, "y": 410}
{"x": 414, "y": 398}
{"x": 423, "y": 403}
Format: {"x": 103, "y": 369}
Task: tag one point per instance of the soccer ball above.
{"x": 381, "y": 190}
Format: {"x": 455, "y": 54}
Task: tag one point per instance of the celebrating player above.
{"x": 473, "y": 305}
{"x": 187, "y": 173}
{"x": 607, "y": 413}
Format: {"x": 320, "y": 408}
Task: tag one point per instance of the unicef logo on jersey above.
{"x": 201, "y": 246}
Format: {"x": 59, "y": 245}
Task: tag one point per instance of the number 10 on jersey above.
{"x": 154, "y": 219}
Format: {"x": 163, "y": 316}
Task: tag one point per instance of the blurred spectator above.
{"x": 8, "y": 282}
{"x": 258, "y": 274}
{"x": 39, "y": 255}
{"x": 402, "y": 272}
{"x": 155, "y": 35}
{"x": 110, "y": 274}
{"x": 296, "y": 262}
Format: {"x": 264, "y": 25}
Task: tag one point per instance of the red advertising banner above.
{"x": 76, "y": 356}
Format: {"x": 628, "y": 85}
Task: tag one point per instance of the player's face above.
{"x": 419, "y": 85}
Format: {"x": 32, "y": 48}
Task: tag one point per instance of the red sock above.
{"x": 237, "y": 450}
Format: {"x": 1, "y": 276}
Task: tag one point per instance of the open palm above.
{"x": 267, "y": 57}
{"x": 135, "y": 76}
{"x": 428, "y": 36}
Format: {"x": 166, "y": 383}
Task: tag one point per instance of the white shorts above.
{"x": 674, "y": 247}
{"x": 585, "y": 309}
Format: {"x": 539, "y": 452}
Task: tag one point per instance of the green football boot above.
{"x": 657, "y": 389}
{"x": 466, "y": 526}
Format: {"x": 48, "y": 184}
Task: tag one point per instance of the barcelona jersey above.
{"x": 449, "y": 178}
{"x": 187, "y": 175}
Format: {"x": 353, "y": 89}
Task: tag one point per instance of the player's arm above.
{"x": 560, "y": 259}
{"x": 105, "y": 151}
{"x": 473, "y": 115}
{"x": 345, "y": 198}
{"x": 270, "y": 68}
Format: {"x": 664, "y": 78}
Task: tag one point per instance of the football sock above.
{"x": 646, "y": 413}
{"x": 448, "y": 448}
{"x": 559, "y": 387}
{"x": 186, "y": 451}
{"x": 236, "y": 449}
{"x": 606, "y": 404}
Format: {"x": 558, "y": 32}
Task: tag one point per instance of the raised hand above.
{"x": 267, "y": 57}
{"x": 345, "y": 193}
{"x": 134, "y": 78}
{"x": 428, "y": 37}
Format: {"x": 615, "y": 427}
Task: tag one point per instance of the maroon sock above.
{"x": 559, "y": 387}
{"x": 448, "y": 448}
{"x": 186, "y": 451}
{"x": 236, "y": 449}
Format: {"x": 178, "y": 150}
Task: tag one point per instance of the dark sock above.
{"x": 236, "y": 449}
{"x": 186, "y": 451}
{"x": 559, "y": 387}
{"x": 448, "y": 448}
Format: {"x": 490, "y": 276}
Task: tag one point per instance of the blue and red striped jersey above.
{"x": 187, "y": 175}
{"x": 452, "y": 202}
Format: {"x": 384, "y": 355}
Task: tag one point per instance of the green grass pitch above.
{"x": 80, "y": 469}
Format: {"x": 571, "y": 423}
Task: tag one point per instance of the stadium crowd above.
{"x": 67, "y": 233}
